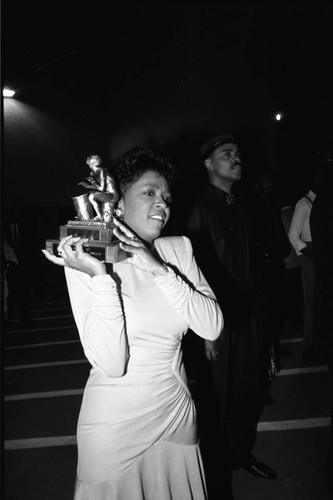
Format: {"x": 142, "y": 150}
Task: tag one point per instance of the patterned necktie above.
{"x": 230, "y": 199}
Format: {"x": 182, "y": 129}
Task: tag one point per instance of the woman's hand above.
{"x": 76, "y": 259}
{"x": 141, "y": 257}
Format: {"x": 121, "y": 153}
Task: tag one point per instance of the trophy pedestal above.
{"x": 101, "y": 244}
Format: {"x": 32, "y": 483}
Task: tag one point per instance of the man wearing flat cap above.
{"x": 220, "y": 227}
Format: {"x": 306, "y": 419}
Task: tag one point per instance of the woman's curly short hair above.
{"x": 133, "y": 164}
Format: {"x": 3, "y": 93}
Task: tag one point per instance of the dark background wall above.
{"x": 97, "y": 79}
{"x": 102, "y": 77}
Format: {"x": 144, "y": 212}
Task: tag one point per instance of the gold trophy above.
{"x": 94, "y": 215}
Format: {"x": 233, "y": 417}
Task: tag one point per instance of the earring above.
{"x": 119, "y": 213}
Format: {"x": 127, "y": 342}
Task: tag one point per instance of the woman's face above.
{"x": 146, "y": 205}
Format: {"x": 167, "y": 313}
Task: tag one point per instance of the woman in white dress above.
{"x": 137, "y": 437}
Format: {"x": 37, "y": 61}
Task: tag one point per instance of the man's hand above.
{"x": 307, "y": 252}
{"x": 211, "y": 350}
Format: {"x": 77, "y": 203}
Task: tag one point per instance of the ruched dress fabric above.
{"x": 136, "y": 435}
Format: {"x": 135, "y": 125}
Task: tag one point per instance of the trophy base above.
{"x": 94, "y": 230}
{"x": 100, "y": 244}
{"x": 109, "y": 253}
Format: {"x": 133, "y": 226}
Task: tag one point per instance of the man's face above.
{"x": 225, "y": 163}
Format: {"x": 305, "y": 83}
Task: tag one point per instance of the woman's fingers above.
{"x": 139, "y": 254}
{"x": 71, "y": 254}
{"x": 53, "y": 258}
{"x": 79, "y": 242}
{"x": 65, "y": 250}
{"x": 123, "y": 228}
{"x": 65, "y": 246}
{"x": 126, "y": 236}
{"x": 62, "y": 243}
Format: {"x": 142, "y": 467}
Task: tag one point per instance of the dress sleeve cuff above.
{"x": 102, "y": 281}
{"x": 162, "y": 278}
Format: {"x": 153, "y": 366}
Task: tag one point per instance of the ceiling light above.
{"x": 8, "y": 93}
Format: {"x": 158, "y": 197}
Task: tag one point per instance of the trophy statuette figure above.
{"x": 94, "y": 215}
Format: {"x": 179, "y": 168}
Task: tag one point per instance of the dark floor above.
{"x": 43, "y": 357}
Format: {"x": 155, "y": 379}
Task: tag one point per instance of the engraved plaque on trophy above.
{"x": 94, "y": 216}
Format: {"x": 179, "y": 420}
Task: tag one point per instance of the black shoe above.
{"x": 311, "y": 354}
{"x": 258, "y": 469}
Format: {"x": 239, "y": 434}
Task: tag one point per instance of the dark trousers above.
{"x": 213, "y": 441}
{"x": 272, "y": 313}
{"x": 241, "y": 384}
{"x": 323, "y": 310}
{"x": 293, "y": 297}
{"x": 308, "y": 281}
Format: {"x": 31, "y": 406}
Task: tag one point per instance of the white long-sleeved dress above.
{"x": 136, "y": 433}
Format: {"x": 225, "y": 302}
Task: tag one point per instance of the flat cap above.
{"x": 214, "y": 142}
